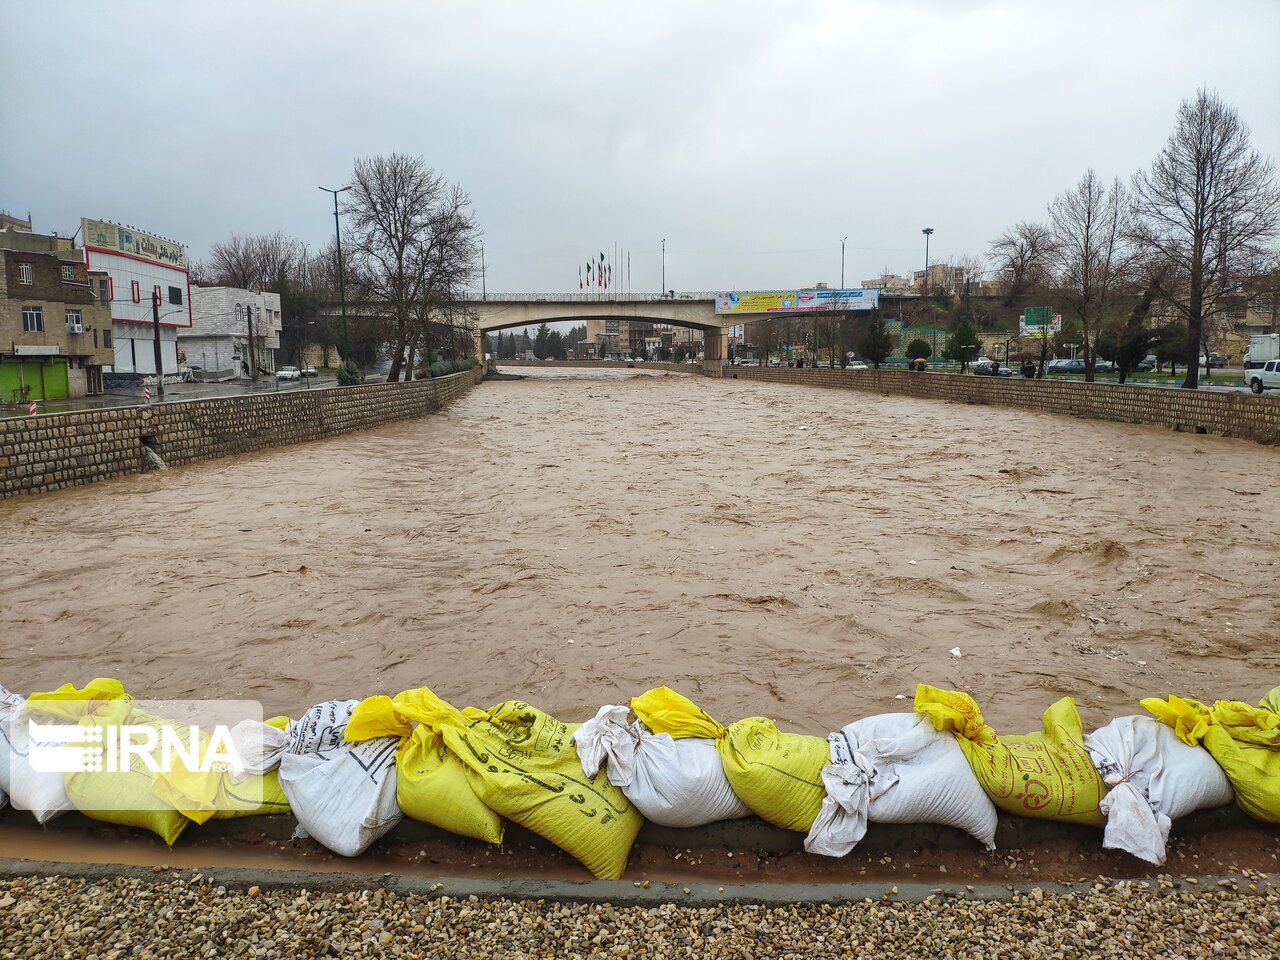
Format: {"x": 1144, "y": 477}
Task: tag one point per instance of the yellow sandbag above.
{"x": 778, "y": 775}
{"x": 523, "y": 763}
{"x": 124, "y": 797}
{"x": 1244, "y": 740}
{"x": 431, "y": 783}
{"x": 1045, "y": 775}
{"x": 72, "y": 702}
{"x": 212, "y": 795}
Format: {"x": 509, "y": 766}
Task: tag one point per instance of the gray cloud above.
{"x": 752, "y": 136}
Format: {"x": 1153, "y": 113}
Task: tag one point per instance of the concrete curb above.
{"x": 618, "y": 892}
{"x": 749, "y": 833}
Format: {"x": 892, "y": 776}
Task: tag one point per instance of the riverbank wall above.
{"x": 1237, "y": 414}
{"x": 51, "y": 451}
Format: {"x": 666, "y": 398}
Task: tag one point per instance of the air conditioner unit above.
{"x": 75, "y": 328}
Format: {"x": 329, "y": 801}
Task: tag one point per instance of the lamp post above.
{"x": 342, "y": 291}
{"x": 484, "y": 295}
{"x": 664, "y": 266}
{"x": 928, "y": 232}
{"x": 842, "y": 240}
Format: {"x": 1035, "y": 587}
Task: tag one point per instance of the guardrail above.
{"x": 475, "y": 296}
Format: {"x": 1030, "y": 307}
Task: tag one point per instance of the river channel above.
{"x": 574, "y": 538}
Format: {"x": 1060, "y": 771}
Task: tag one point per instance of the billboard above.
{"x": 1039, "y": 322}
{"x": 796, "y": 301}
{"x": 112, "y": 236}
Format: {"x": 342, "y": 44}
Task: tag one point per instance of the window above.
{"x": 106, "y": 338}
{"x": 104, "y": 292}
{"x": 24, "y": 273}
{"x": 175, "y": 295}
{"x": 135, "y": 291}
{"x": 33, "y": 320}
{"x": 95, "y": 339}
{"x": 74, "y": 323}
{"x": 68, "y": 272}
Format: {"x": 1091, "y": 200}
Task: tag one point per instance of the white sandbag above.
{"x": 896, "y": 768}
{"x": 343, "y": 794}
{"x": 259, "y": 746}
{"x": 9, "y": 704}
{"x": 42, "y": 792}
{"x": 1154, "y": 779}
{"x": 675, "y": 783}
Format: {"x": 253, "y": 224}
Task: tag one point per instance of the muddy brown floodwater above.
{"x": 577, "y": 537}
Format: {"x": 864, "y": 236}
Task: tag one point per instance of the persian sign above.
{"x": 112, "y": 236}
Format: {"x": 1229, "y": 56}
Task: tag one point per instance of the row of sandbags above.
{"x": 350, "y": 770}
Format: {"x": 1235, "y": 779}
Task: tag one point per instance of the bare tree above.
{"x": 1090, "y": 253}
{"x": 1207, "y": 207}
{"x": 1021, "y": 257}
{"x": 446, "y": 261}
{"x": 252, "y": 262}
{"x": 412, "y": 236}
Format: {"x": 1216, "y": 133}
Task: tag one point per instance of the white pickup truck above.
{"x": 1265, "y": 377}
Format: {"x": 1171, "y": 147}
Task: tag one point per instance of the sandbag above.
{"x": 431, "y": 783}
{"x": 44, "y": 793}
{"x": 1244, "y": 740}
{"x": 124, "y": 797}
{"x": 343, "y": 794}
{"x": 777, "y": 775}
{"x": 522, "y": 765}
{"x": 1154, "y": 778}
{"x": 896, "y": 768}
{"x": 225, "y": 795}
{"x": 1045, "y": 775}
{"x": 675, "y": 783}
{"x": 9, "y": 705}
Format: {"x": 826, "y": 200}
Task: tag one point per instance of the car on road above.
{"x": 1266, "y": 377}
{"x": 1213, "y": 360}
{"x": 308, "y": 371}
{"x": 1144, "y": 366}
{"x": 983, "y": 368}
{"x": 857, "y": 365}
{"x": 289, "y": 373}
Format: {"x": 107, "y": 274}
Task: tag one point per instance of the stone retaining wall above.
{"x": 52, "y": 451}
{"x": 1240, "y": 414}
{"x": 607, "y": 364}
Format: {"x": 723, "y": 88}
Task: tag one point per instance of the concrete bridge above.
{"x": 501, "y": 311}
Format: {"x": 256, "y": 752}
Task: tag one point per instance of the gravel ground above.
{"x": 172, "y": 917}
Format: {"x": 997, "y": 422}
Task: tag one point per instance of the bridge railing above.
{"x": 603, "y": 297}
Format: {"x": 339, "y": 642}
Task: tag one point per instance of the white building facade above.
{"x": 218, "y": 342}
{"x": 140, "y": 267}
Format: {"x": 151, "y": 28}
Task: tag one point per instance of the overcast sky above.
{"x": 752, "y": 136}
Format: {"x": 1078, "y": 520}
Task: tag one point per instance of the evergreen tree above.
{"x": 962, "y": 346}
{"x": 875, "y": 344}
{"x": 919, "y": 349}
{"x": 540, "y": 341}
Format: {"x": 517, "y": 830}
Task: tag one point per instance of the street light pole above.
{"x": 664, "y": 266}
{"x": 484, "y": 295}
{"x": 342, "y": 291}
{"x": 928, "y": 232}
{"x": 842, "y": 240}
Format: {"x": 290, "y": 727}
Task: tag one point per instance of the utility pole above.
{"x": 484, "y": 295}
{"x": 342, "y": 292}
{"x": 664, "y": 266}
{"x": 928, "y": 232}
{"x": 842, "y": 262}
{"x": 155, "y": 323}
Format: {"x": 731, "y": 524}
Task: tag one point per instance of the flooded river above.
{"x": 576, "y": 537}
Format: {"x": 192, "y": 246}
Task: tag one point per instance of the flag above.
{"x": 579, "y": 278}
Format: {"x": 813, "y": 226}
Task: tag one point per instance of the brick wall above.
{"x": 58, "y": 450}
{"x": 1241, "y": 415}
{"x": 610, "y": 364}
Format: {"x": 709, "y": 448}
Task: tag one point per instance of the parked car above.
{"x": 1266, "y": 377}
{"x": 308, "y": 371}
{"x": 857, "y": 365}
{"x": 983, "y": 368}
{"x": 1055, "y": 365}
{"x": 1104, "y": 366}
{"x": 1145, "y": 366}
{"x": 289, "y": 373}
{"x": 1213, "y": 360}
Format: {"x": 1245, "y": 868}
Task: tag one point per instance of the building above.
{"x": 140, "y": 268}
{"x": 55, "y": 326}
{"x": 943, "y": 277}
{"x": 891, "y": 283}
{"x": 218, "y": 345}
